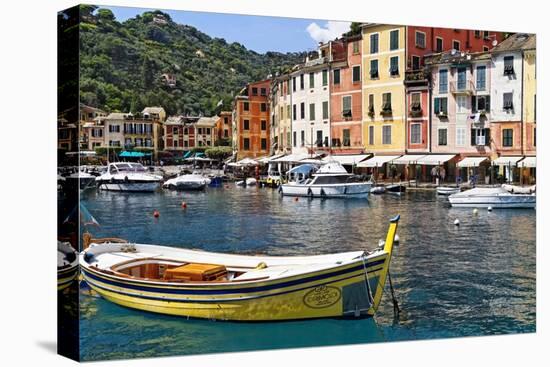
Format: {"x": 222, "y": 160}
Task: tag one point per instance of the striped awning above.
{"x": 348, "y": 159}
{"x": 507, "y": 161}
{"x": 290, "y": 158}
{"x": 377, "y": 161}
{"x": 435, "y": 159}
{"x": 408, "y": 159}
{"x": 528, "y": 162}
{"x": 471, "y": 161}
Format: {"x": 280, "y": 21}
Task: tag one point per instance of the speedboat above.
{"x": 67, "y": 265}
{"x": 191, "y": 283}
{"x": 187, "y": 182}
{"x": 447, "y": 190}
{"x": 331, "y": 180}
{"x": 80, "y": 179}
{"x": 506, "y": 196}
{"x": 128, "y": 177}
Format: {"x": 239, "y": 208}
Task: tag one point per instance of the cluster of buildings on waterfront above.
{"x": 389, "y": 90}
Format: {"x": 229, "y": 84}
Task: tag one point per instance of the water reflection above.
{"x": 474, "y": 279}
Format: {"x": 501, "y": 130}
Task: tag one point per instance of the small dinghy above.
{"x": 377, "y": 190}
{"x": 248, "y": 182}
{"x": 191, "y": 283}
{"x": 67, "y": 265}
{"x": 395, "y": 188}
{"x": 504, "y": 197}
{"x": 447, "y": 190}
{"x": 187, "y": 182}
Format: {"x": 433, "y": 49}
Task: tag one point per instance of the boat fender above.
{"x": 323, "y": 194}
{"x": 345, "y": 190}
{"x": 280, "y": 190}
{"x": 310, "y": 192}
{"x": 112, "y": 180}
{"x": 126, "y": 179}
{"x": 261, "y": 266}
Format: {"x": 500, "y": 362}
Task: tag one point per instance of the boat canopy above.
{"x": 530, "y": 162}
{"x": 377, "y": 161}
{"x": 304, "y": 169}
{"x": 408, "y": 159}
{"x": 247, "y": 162}
{"x": 471, "y": 161}
{"x": 434, "y": 159}
{"x": 332, "y": 167}
{"x": 348, "y": 159}
{"x": 507, "y": 161}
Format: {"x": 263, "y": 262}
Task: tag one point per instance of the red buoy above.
{"x": 296, "y": 199}
{"x": 183, "y": 204}
{"x": 156, "y": 214}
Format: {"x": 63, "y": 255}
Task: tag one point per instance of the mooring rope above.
{"x": 396, "y": 309}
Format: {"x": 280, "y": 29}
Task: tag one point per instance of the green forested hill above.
{"x": 121, "y": 64}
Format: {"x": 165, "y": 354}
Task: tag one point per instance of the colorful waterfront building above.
{"x": 183, "y": 133}
{"x": 395, "y": 92}
{"x": 223, "y": 127}
{"x": 310, "y": 105}
{"x": 346, "y": 116}
{"x": 281, "y": 114}
{"x": 251, "y": 120}
{"x": 91, "y": 127}
{"x": 530, "y": 98}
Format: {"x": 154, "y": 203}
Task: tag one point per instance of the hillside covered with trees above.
{"x": 122, "y": 64}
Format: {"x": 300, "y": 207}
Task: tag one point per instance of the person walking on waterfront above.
{"x": 433, "y": 172}
{"x": 442, "y": 173}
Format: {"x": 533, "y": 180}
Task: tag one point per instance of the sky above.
{"x": 260, "y": 34}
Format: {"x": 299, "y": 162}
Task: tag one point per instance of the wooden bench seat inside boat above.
{"x": 196, "y": 272}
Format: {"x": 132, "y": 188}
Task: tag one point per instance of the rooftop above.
{"x": 517, "y": 42}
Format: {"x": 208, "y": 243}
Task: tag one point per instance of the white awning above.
{"x": 378, "y": 161}
{"x": 506, "y": 161}
{"x": 528, "y": 162}
{"x": 268, "y": 159}
{"x": 290, "y": 158}
{"x": 471, "y": 161}
{"x": 408, "y": 159}
{"x": 435, "y": 159}
{"x": 348, "y": 159}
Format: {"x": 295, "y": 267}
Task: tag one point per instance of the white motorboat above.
{"x": 187, "y": 182}
{"x": 80, "y": 179}
{"x": 251, "y": 181}
{"x": 448, "y": 190}
{"x": 377, "y": 190}
{"x": 506, "y": 196}
{"x": 128, "y": 177}
{"x": 330, "y": 181}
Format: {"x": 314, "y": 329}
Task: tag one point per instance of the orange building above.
{"x": 251, "y": 121}
{"x": 223, "y": 125}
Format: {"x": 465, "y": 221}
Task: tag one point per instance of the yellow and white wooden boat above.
{"x": 209, "y": 285}
{"x": 67, "y": 265}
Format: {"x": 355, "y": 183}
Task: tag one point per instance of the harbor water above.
{"x": 474, "y": 279}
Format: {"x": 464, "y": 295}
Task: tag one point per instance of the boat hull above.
{"x": 187, "y": 186}
{"x": 448, "y": 190}
{"x": 497, "y": 202}
{"x": 66, "y": 276}
{"x": 359, "y": 190}
{"x": 130, "y": 186}
{"x": 338, "y": 292}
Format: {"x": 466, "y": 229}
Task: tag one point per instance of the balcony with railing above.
{"x": 462, "y": 87}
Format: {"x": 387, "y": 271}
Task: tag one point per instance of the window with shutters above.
{"x": 294, "y": 84}
{"x": 461, "y": 104}
{"x": 394, "y": 39}
{"x": 246, "y": 125}
{"x": 355, "y": 46}
{"x": 386, "y": 134}
{"x": 456, "y": 45}
{"x": 481, "y": 77}
{"x": 312, "y": 80}
{"x": 294, "y": 112}
{"x": 325, "y": 110}
{"x": 507, "y": 102}
{"x": 481, "y": 104}
{"x": 346, "y": 106}
{"x": 263, "y": 143}
{"x": 254, "y": 91}
{"x": 416, "y": 106}
{"x": 374, "y": 43}
{"x": 440, "y": 106}
{"x": 325, "y": 77}
{"x": 386, "y": 103}
{"x": 443, "y": 81}
{"x": 439, "y": 44}
{"x": 336, "y": 76}
{"x": 371, "y": 135}
{"x": 356, "y": 74}
{"x": 246, "y": 106}
{"x": 442, "y": 137}
{"x": 509, "y": 65}
{"x": 507, "y": 137}
{"x": 264, "y": 125}
{"x": 263, "y": 107}
{"x": 371, "y": 105}
{"x": 319, "y": 139}
{"x": 312, "y": 111}
{"x": 302, "y": 110}
{"x": 373, "y": 69}
{"x": 460, "y": 136}
{"x": 394, "y": 66}
{"x": 294, "y": 139}
{"x": 415, "y": 62}
{"x": 302, "y": 86}
{"x": 346, "y": 137}
{"x": 416, "y": 133}
{"x": 480, "y": 137}
{"x": 246, "y": 144}
{"x": 420, "y": 38}
{"x": 302, "y": 138}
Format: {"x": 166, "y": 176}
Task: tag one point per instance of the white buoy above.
{"x": 475, "y": 211}
{"x": 490, "y": 209}
{"x": 396, "y": 239}
{"x": 457, "y": 222}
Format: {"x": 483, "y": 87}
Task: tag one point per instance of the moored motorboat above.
{"x": 250, "y": 181}
{"x": 330, "y": 181}
{"x": 67, "y": 265}
{"x": 187, "y": 182}
{"x": 377, "y": 190}
{"x": 506, "y": 196}
{"x": 396, "y": 188}
{"x": 447, "y": 190}
{"x": 191, "y": 283}
{"x": 132, "y": 177}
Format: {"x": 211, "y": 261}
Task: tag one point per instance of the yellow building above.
{"x": 384, "y": 63}
{"x": 529, "y": 99}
